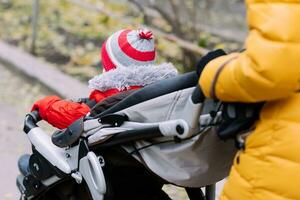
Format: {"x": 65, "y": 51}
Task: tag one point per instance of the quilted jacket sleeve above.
{"x": 269, "y": 68}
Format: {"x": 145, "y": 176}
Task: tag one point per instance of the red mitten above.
{"x": 44, "y": 104}
{"x": 60, "y": 113}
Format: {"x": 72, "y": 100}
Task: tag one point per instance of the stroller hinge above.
{"x": 77, "y": 176}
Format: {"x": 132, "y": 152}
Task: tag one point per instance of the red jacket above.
{"x": 61, "y": 113}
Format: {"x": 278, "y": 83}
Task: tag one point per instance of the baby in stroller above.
{"x": 129, "y": 145}
{"x": 128, "y": 58}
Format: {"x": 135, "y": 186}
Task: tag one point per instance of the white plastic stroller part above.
{"x": 42, "y": 143}
{"x": 66, "y": 160}
{"x": 92, "y": 173}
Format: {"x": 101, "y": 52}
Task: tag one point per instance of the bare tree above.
{"x": 141, "y": 9}
{"x": 183, "y": 18}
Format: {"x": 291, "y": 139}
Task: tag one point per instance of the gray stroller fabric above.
{"x": 201, "y": 160}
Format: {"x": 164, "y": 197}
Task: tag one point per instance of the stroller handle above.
{"x": 31, "y": 120}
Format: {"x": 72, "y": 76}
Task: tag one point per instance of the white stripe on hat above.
{"x": 109, "y": 49}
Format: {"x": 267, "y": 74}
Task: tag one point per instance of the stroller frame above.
{"x": 79, "y": 161}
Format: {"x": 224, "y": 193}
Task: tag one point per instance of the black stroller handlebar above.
{"x": 31, "y": 120}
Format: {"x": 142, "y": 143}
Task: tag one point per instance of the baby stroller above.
{"x": 163, "y": 133}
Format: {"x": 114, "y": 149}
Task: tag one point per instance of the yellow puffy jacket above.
{"x": 269, "y": 70}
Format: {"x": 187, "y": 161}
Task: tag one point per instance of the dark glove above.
{"x": 237, "y": 118}
{"x": 207, "y": 58}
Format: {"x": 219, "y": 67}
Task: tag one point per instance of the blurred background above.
{"x": 68, "y": 35}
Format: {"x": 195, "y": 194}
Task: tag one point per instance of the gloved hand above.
{"x": 207, "y": 58}
{"x": 44, "y": 104}
{"x": 237, "y": 118}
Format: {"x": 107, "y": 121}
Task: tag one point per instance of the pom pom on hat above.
{"x": 145, "y": 34}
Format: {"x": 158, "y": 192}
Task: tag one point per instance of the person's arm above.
{"x": 60, "y": 113}
{"x": 97, "y": 96}
{"x": 269, "y": 68}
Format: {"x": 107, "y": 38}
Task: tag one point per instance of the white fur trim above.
{"x": 124, "y": 77}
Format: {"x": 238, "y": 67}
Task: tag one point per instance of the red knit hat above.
{"x": 128, "y": 47}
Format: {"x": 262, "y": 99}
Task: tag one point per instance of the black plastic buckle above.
{"x": 113, "y": 119}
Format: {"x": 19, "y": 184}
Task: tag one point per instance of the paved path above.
{"x": 16, "y": 96}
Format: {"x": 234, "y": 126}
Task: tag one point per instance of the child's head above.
{"x": 128, "y": 47}
{"x": 128, "y": 62}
